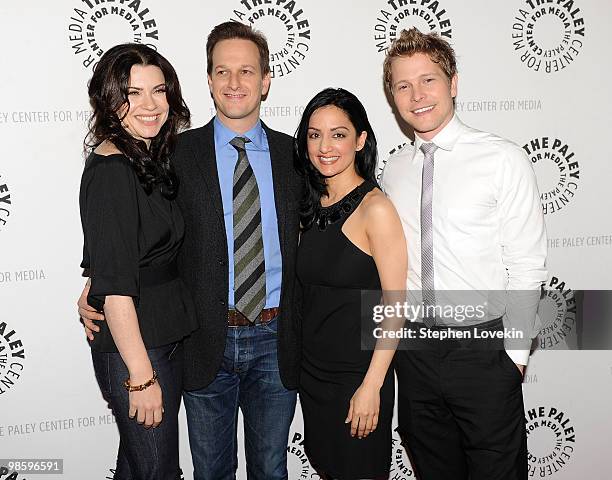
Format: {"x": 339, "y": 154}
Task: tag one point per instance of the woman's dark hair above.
{"x": 108, "y": 93}
{"x": 365, "y": 159}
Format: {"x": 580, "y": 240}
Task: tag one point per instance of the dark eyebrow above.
{"x": 156, "y": 86}
{"x": 335, "y": 128}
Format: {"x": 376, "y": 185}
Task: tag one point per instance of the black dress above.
{"x": 131, "y": 240}
{"x": 332, "y": 272}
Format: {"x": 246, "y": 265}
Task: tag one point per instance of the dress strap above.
{"x": 342, "y": 209}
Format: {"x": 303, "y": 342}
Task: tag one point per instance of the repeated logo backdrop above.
{"x": 96, "y": 25}
{"x": 557, "y": 311}
{"x": 395, "y": 15}
{"x": 12, "y": 358}
{"x": 287, "y": 27}
{"x": 556, "y": 440}
{"x": 548, "y": 35}
{"x": 557, "y": 170}
{"x": 5, "y": 204}
{"x": 530, "y": 70}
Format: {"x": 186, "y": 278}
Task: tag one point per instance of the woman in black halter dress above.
{"x": 352, "y": 240}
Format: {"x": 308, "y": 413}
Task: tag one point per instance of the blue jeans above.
{"x": 144, "y": 454}
{"x": 248, "y": 378}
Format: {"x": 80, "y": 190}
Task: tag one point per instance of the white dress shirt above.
{"x": 488, "y": 225}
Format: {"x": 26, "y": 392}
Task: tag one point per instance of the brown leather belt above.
{"x": 237, "y": 319}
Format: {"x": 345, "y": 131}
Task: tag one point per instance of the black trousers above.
{"x": 460, "y": 410}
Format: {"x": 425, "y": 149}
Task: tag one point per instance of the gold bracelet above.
{"x": 139, "y": 388}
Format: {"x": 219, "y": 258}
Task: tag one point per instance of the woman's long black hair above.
{"x": 108, "y": 93}
{"x": 365, "y": 159}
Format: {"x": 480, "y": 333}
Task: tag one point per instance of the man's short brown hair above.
{"x": 413, "y": 41}
{"x": 231, "y": 30}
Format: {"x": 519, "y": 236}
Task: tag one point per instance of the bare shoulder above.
{"x": 106, "y": 148}
{"x": 377, "y": 206}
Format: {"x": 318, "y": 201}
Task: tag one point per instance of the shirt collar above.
{"x": 446, "y": 138}
{"x": 223, "y": 134}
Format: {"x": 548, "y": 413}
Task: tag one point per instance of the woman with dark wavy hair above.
{"x": 132, "y": 231}
{"x": 352, "y": 240}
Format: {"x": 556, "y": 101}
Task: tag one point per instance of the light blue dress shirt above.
{"x": 258, "y": 152}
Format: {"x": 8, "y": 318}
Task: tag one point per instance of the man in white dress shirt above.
{"x": 471, "y": 212}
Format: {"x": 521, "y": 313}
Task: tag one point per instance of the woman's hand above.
{"x": 363, "y": 412}
{"x": 147, "y": 405}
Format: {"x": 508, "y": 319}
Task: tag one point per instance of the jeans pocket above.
{"x": 270, "y": 327}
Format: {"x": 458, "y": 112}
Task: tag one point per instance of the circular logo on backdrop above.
{"x": 12, "y": 358}
{"x": 286, "y": 27}
{"x": 550, "y": 440}
{"x": 557, "y": 312}
{"x": 557, "y": 171}
{"x": 401, "y": 468}
{"x": 397, "y": 15}
{"x": 548, "y": 36}
{"x": 96, "y": 26}
{"x": 381, "y": 164}
{"x": 297, "y": 461}
{"x": 5, "y": 203}
{"x": 396, "y": 149}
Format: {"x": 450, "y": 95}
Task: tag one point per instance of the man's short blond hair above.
{"x": 413, "y": 41}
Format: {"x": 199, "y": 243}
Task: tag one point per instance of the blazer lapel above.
{"x": 204, "y": 150}
{"x": 280, "y": 164}
{"x": 205, "y": 159}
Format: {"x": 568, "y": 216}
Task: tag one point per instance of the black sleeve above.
{"x": 111, "y": 229}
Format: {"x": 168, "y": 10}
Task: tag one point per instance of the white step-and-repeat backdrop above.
{"x": 534, "y": 71}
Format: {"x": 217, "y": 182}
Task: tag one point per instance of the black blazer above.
{"x": 203, "y": 256}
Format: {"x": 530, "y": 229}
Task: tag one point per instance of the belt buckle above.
{"x": 232, "y": 312}
{"x": 259, "y": 321}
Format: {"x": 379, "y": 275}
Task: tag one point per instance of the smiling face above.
{"x": 423, "y": 94}
{"x": 236, "y": 83}
{"x": 148, "y": 107}
{"x": 333, "y": 141}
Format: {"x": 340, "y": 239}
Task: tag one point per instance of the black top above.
{"x": 333, "y": 272}
{"x": 131, "y": 240}
{"x": 203, "y": 257}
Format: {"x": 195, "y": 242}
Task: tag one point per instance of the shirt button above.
{"x": 222, "y": 302}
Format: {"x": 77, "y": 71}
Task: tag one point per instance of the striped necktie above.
{"x": 249, "y": 265}
{"x": 427, "y": 265}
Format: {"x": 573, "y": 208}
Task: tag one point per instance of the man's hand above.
{"x": 88, "y": 314}
{"x": 521, "y": 368}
